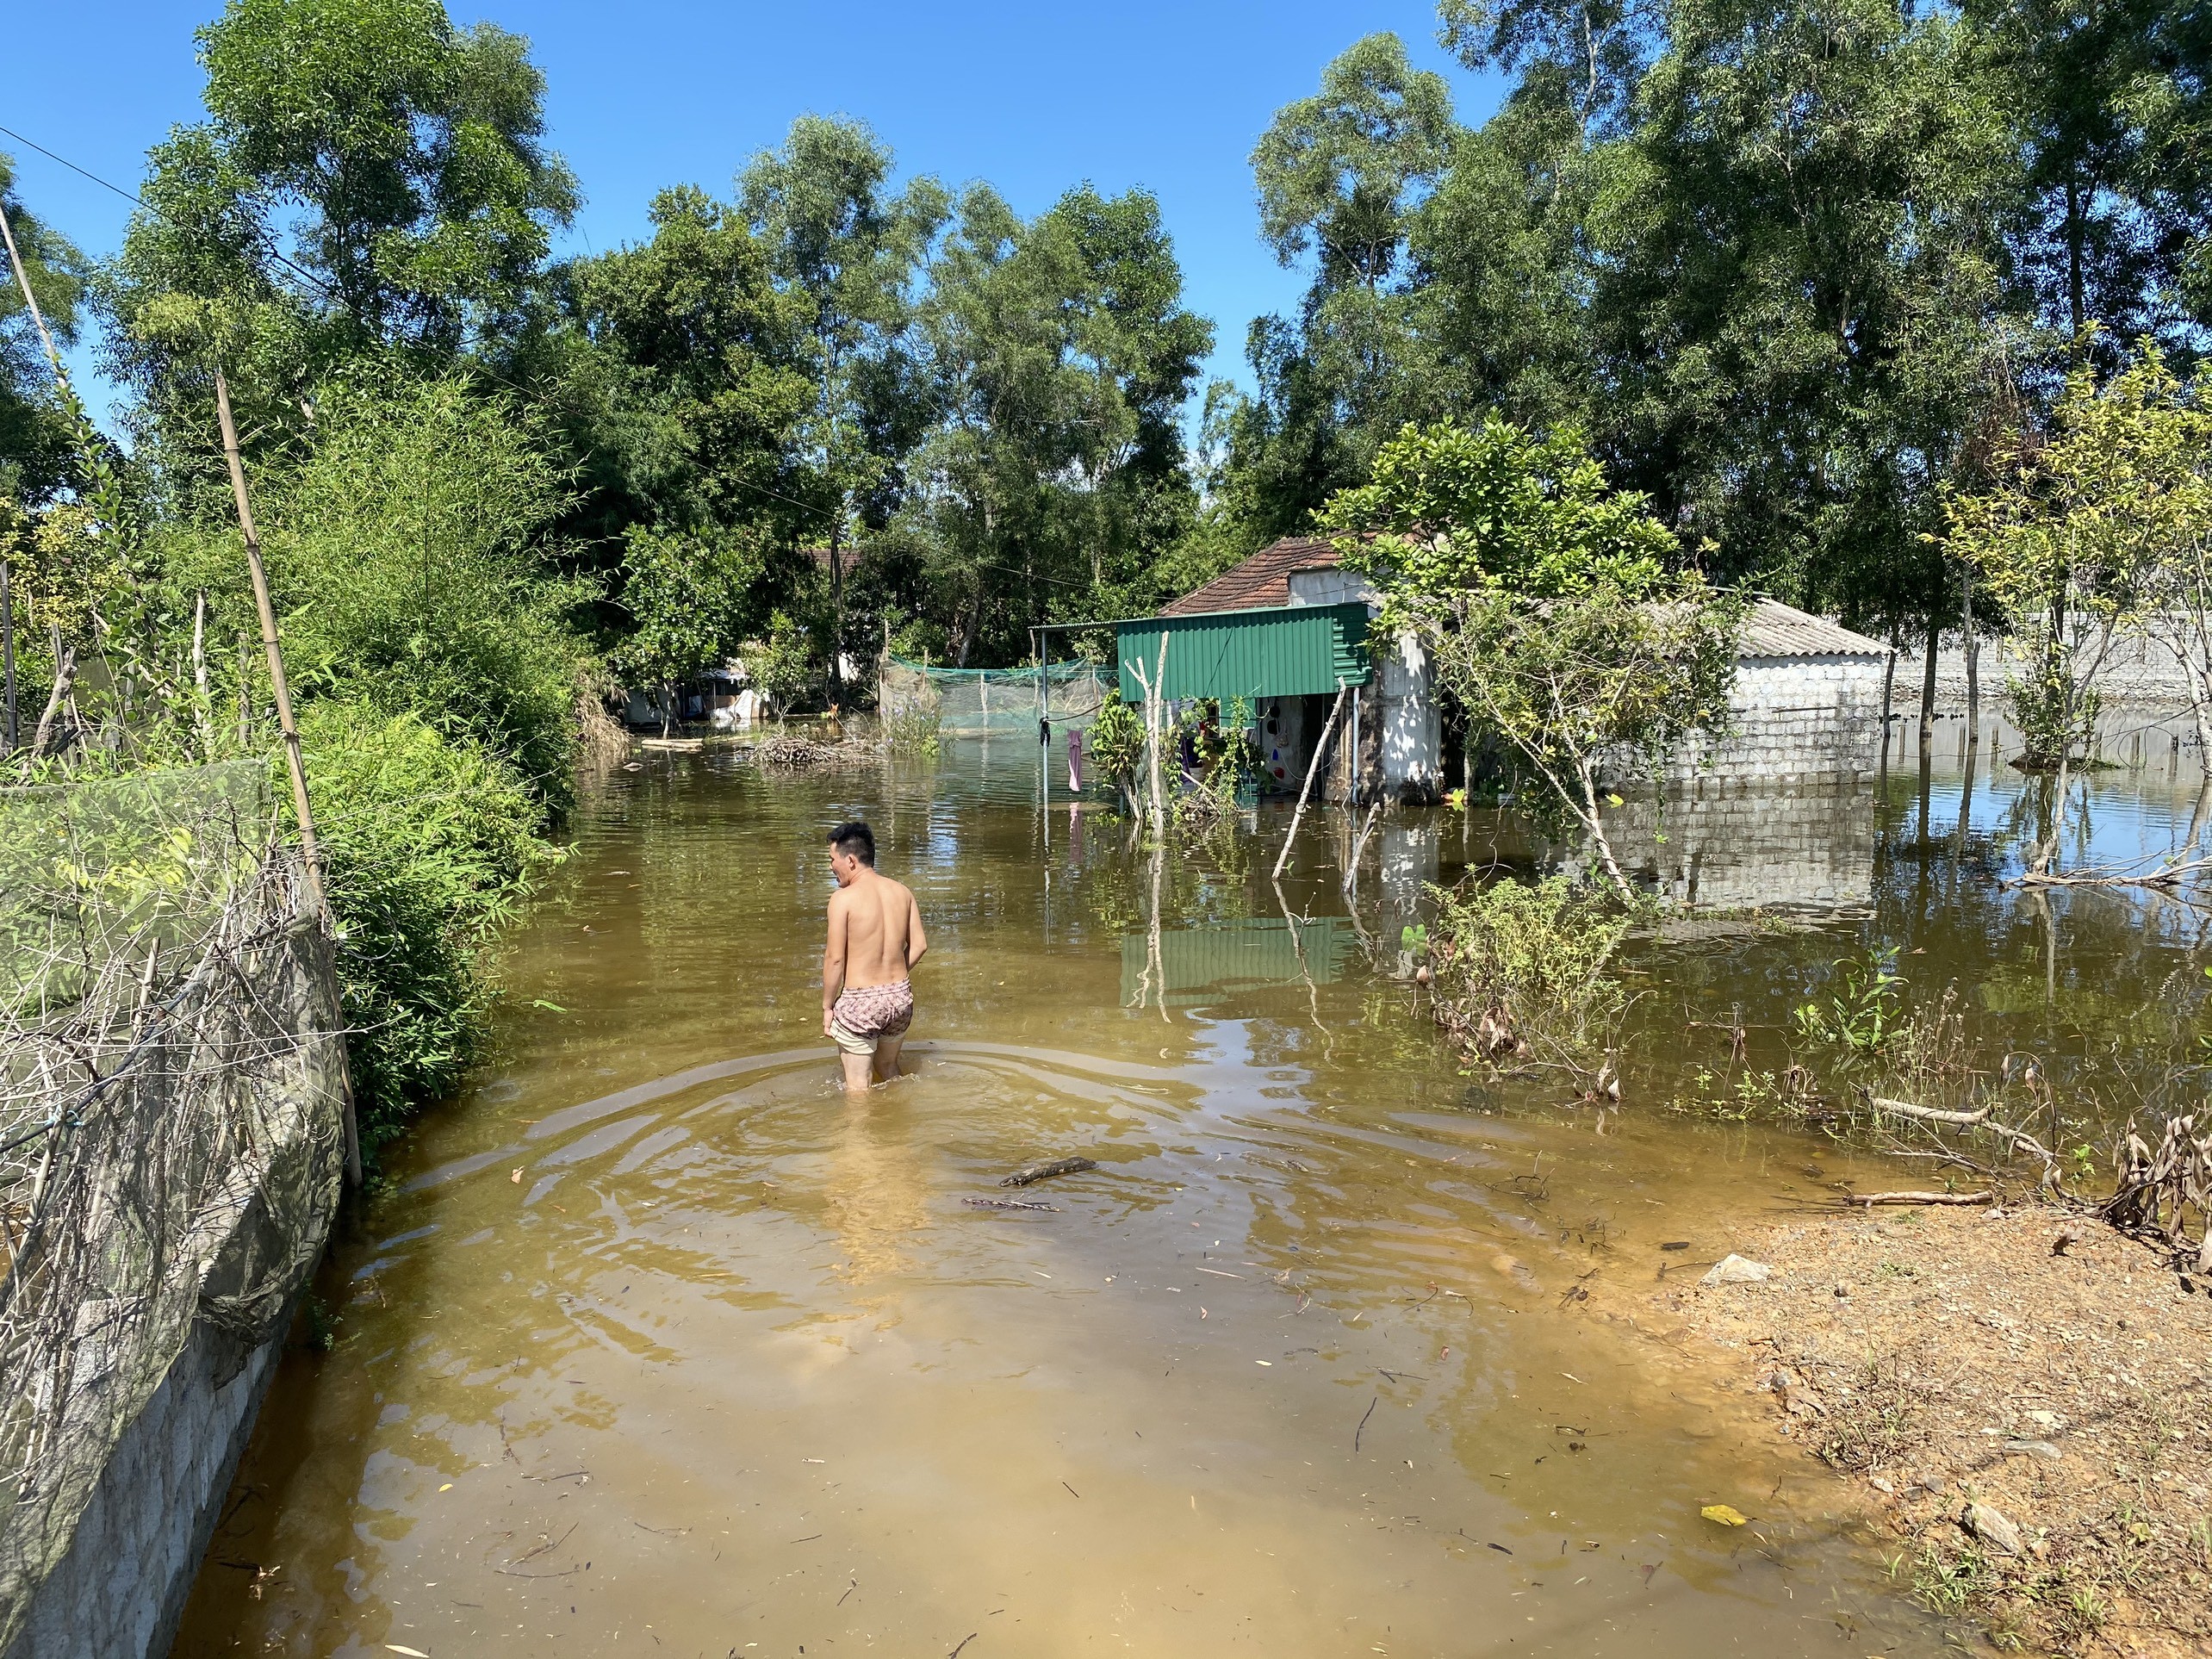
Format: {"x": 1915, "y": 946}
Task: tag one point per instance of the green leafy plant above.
{"x": 1863, "y": 1015}
{"x": 1117, "y": 747}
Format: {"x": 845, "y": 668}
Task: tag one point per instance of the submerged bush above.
{"x": 1521, "y": 971}
{"x": 429, "y": 842}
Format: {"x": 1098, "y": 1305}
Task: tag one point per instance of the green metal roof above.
{"x": 1291, "y": 650}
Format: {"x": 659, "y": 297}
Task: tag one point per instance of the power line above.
{"x": 453, "y": 358}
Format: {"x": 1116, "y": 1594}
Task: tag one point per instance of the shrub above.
{"x": 429, "y": 842}
{"x": 1521, "y": 970}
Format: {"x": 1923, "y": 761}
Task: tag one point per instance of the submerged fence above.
{"x": 171, "y": 1096}
{"x": 992, "y": 702}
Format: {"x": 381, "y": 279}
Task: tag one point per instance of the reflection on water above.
{"x": 661, "y": 1343}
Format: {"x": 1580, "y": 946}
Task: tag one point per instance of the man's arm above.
{"x": 833, "y": 958}
{"x": 918, "y": 942}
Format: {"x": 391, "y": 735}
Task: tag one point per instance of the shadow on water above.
{"x": 660, "y": 1344}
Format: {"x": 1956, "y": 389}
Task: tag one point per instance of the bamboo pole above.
{"x": 1313, "y": 764}
{"x": 294, "y": 764}
{"x": 8, "y": 652}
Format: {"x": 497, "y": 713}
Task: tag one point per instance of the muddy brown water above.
{"x": 660, "y": 1345}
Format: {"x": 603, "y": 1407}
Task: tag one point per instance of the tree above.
{"x": 369, "y": 176}
{"x": 852, "y": 250}
{"x": 690, "y": 599}
{"x": 1798, "y": 313}
{"x": 36, "y": 435}
{"x": 1545, "y": 600}
{"x": 1062, "y": 354}
{"x": 1341, "y": 178}
{"x": 678, "y": 371}
{"x": 2088, "y": 530}
{"x": 2111, "y": 198}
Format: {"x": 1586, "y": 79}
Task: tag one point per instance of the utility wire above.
{"x": 454, "y": 357}
{"x": 473, "y": 365}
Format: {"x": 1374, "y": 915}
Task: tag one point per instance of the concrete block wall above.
{"x": 120, "y": 1591}
{"x": 1797, "y": 720}
{"x": 1741, "y": 846}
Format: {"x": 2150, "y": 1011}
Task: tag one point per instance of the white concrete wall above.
{"x": 1412, "y": 758}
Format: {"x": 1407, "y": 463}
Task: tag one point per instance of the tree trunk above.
{"x": 668, "y": 705}
{"x": 1927, "y": 684}
{"x": 1973, "y": 649}
{"x": 1587, "y": 811}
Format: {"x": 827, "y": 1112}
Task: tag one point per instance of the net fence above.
{"x": 171, "y": 1130}
{"x": 989, "y": 702}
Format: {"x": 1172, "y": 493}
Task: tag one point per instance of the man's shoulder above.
{"x": 899, "y": 888}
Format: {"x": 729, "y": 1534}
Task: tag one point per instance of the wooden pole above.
{"x": 1313, "y": 764}
{"x": 8, "y": 652}
{"x": 310, "y": 854}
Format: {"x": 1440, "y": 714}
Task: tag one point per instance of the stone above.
{"x": 1736, "y": 1270}
{"x": 1992, "y": 1528}
{"x": 2042, "y": 1449}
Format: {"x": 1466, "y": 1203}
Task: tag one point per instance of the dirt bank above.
{"x": 1953, "y": 1362}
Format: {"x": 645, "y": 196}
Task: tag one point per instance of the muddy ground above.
{"x": 1954, "y": 1362}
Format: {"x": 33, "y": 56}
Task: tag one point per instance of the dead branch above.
{"x": 1873, "y": 1199}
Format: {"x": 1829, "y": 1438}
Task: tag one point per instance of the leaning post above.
{"x": 310, "y": 853}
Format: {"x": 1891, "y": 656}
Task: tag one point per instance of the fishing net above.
{"x": 171, "y": 1110}
{"x": 989, "y": 702}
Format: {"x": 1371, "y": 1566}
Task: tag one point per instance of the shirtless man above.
{"x": 875, "y": 940}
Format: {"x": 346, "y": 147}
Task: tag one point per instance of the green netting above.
{"x": 989, "y": 702}
{"x": 172, "y": 1079}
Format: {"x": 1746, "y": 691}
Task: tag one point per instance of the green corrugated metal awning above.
{"x": 1292, "y": 650}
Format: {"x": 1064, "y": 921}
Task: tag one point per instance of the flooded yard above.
{"x": 660, "y": 1345}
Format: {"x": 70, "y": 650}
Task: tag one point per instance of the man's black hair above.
{"x": 855, "y": 838}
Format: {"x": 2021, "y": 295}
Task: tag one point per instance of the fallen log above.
{"x": 1871, "y": 1198}
{"x": 1925, "y": 1114}
{"x": 1022, "y": 1178}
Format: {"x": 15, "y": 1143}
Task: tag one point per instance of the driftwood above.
{"x": 2157, "y": 1189}
{"x": 2018, "y": 1140}
{"x": 1022, "y": 1178}
{"x": 1919, "y": 1197}
{"x": 1008, "y": 1203}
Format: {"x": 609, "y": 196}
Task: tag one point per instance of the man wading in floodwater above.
{"x": 875, "y": 940}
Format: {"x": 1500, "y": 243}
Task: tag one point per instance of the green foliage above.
{"x": 690, "y": 599}
{"x": 35, "y": 432}
{"x": 405, "y": 552}
{"x": 2076, "y": 536}
{"x": 1521, "y": 970}
{"x": 1117, "y": 747}
{"x": 682, "y": 378}
{"x": 786, "y": 663}
{"x": 1863, "y": 1014}
{"x": 1545, "y": 601}
{"x": 431, "y": 842}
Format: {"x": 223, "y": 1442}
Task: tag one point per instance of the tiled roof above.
{"x": 1773, "y": 629}
{"x": 1262, "y": 580}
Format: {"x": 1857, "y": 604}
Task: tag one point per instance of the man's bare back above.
{"x": 875, "y": 938}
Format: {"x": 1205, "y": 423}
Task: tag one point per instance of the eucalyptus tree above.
{"x": 1341, "y": 176}
{"x": 853, "y": 250}
{"x": 368, "y": 177}
{"x": 35, "y": 435}
{"x": 1796, "y": 311}
{"x": 2111, "y": 107}
{"x": 1062, "y": 353}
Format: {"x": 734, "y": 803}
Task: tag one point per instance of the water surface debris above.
{"x": 1726, "y": 1515}
{"x": 1022, "y": 1178}
{"x": 1008, "y": 1203}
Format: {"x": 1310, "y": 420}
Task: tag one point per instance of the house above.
{"x": 1288, "y": 628}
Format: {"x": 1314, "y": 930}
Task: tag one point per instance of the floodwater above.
{"x": 662, "y": 1346}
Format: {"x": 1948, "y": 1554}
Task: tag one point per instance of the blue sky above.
{"x": 658, "y": 92}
